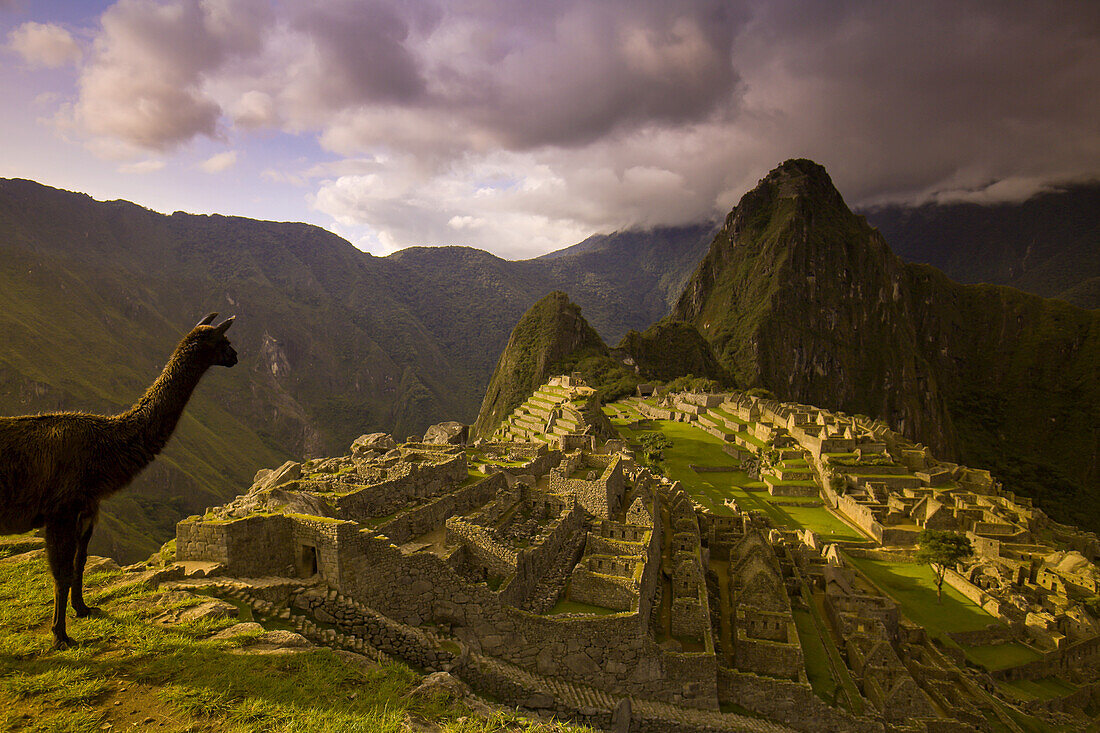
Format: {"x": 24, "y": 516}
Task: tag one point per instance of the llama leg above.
{"x": 85, "y": 526}
{"x": 61, "y": 551}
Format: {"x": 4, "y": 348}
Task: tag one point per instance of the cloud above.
{"x": 44, "y": 45}
{"x": 150, "y": 165}
{"x": 471, "y": 121}
{"x": 220, "y": 162}
{"x": 145, "y": 82}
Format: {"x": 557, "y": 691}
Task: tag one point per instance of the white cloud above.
{"x": 465, "y": 222}
{"x": 145, "y": 83}
{"x": 150, "y": 165}
{"x": 254, "y": 109}
{"x": 220, "y": 162}
{"x": 45, "y": 45}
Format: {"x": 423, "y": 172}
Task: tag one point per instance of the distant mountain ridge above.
{"x": 1048, "y": 245}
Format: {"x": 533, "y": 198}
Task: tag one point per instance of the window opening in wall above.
{"x": 307, "y": 561}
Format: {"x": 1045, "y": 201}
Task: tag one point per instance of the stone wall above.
{"x": 427, "y": 517}
{"x": 774, "y": 658}
{"x": 995, "y": 634}
{"x": 616, "y": 593}
{"x": 979, "y": 596}
{"x": 792, "y": 703}
{"x": 601, "y": 497}
{"x": 199, "y": 540}
{"x": 613, "y": 652}
{"x": 482, "y": 548}
{"x": 317, "y": 540}
{"x": 534, "y": 562}
{"x": 251, "y": 546}
{"x": 382, "y": 633}
{"x": 422, "y": 480}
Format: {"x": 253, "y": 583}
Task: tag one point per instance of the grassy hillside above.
{"x": 132, "y": 669}
{"x": 799, "y": 295}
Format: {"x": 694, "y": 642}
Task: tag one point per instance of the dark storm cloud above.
{"x": 567, "y": 73}
{"x": 364, "y": 52}
{"x": 602, "y": 114}
{"x": 903, "y": 98}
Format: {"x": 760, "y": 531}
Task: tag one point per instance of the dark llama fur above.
{"x": 55, "y": 469}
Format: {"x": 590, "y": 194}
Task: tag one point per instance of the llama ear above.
{"x": 207, "y": 321}
{"x": 220, "y": 330}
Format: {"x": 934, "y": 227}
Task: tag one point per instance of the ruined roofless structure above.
{"x": 551, "y": 570}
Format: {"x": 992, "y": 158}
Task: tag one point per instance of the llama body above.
{"x": 55, "y": 469}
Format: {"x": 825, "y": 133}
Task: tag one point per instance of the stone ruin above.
{"x": 552, "y": 572}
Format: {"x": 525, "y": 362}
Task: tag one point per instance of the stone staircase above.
{"x": 545, "y": 414}
{"x": 589, "y": 702}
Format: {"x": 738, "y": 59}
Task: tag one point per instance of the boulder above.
{"x": 372, "y": 443}
{"x": 447, "y": 433}
{"x": 440, "y": 685}
{"x": 297, "y": 502}
{"x": 283, "y": 639}
{"x": 96, "y": 564}
{"x": 241, "y": 629}
{"x": 289, "y": 471}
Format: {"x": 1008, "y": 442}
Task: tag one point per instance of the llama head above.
{"x": 211, "y": 343}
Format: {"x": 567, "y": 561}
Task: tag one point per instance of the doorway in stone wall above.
{"x": 307, "y": 561}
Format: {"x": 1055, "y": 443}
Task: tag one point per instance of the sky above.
{"x": 524, "y": 127}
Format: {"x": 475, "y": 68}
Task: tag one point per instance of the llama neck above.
{"x": 155, "y": 415}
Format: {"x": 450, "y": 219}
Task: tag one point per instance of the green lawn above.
{"x": 726, "y": 415}
{"x": 913, "y": 586}
{"x": 692, "y": 445}
{"x": 1001, "y": 656}
{"x": 817, "y": 662}
{"x": 1041, "y": 689}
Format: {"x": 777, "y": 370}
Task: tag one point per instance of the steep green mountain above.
{"x": 801, "y": 296}
{"x": 549, "y": 332}
{"x": 669, "y": 349}
{"x": 1048, "y": 245}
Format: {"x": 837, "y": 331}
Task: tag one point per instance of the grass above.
{"x": 1040, "y": 689}
{"x": 817, "y": 661}
{"x": 693, "y": 446}
{"x": 913, "y": 586}
{"x": 1001, "y": 656}
{"x": 127, "y": 671}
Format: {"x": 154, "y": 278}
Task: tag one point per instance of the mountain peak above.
{"x": 551, "y": 329}
{"x": 795, "y": 190}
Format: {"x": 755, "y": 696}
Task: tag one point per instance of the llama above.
{"x": 56, "y": 468}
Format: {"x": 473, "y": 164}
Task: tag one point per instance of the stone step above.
{"x": 540, "y": 412}
{"x": 528, "y": 421}
{"x": 581, "y": 696}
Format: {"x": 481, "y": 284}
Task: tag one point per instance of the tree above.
{"x": 942, "y": 549}
{"x": 653, "y": 447}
